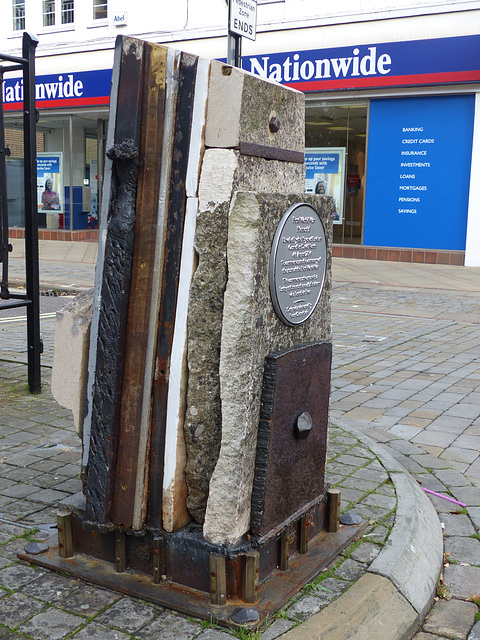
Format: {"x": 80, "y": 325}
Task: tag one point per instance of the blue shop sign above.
{"x": 75, "y": 89}
{"x": 388, "y": 64}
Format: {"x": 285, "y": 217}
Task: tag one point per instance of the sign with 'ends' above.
{"x": 242, "y": 18}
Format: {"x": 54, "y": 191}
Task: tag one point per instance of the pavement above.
{"x": 405, "y": 414}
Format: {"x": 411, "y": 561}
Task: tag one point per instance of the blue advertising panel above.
{"x": 418, "y": 172}
{"x": 362, "y": 66}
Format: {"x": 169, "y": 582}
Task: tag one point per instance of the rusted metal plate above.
{"x": 272, "y": 594}
{"x": 271, "y": 153}
{"x": 171, "y": 274}
{"x": 136, "y": 354}
{"x": 290, "y": 463}
{"x": 115, "y": 288}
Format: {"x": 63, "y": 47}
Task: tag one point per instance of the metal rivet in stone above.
{"x": 274, "y": 124}
{"x": 226, "y": 71}
{"x": 350, "y": 518}
{"x": 244, "y": 615}
{"x": 303, "y": 425}
{"x": 34, "y": 548}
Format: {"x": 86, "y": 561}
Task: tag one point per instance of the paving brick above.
{"x": 463, "y": 549}
{"x": 128, "y": 615}
{"x": 17, "y": 575}
{"x": 306, "y": 607}
{"x": 17, "y": 608}
{"x": 457, "y": 524}
{"x": 350, "y": 570}
{"x": 468, "y": 495}
{"x": 51, "y": 587}
{"x": 278, "y": 628}
{"x": 52, "y": 624}
{"x": 169, "y": 626}
{"x": 452, "y": 618}
{"x": 94, "y": 631}
{"x": 462, "y": 581}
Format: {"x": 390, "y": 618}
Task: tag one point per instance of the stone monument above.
{"x": 207, "y": 384}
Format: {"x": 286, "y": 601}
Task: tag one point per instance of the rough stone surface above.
{"x": 452, "y": 618}
{"x": 248, "y": 117}
{"x": 70, "y": 355}
{"x": 224, "y": 171}
{"x": 251, "y": 330}
{"x": 372, "y": 609}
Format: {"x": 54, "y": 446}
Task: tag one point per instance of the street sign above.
{"x": 242, "y": 18}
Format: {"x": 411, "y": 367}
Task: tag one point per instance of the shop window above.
{"x": 18, "y": 15}
{"x": 99, "y": 9}
{"x": 49, "y": 12}
{"x": 335, "y": 139}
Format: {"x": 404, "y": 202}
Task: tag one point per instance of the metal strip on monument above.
{"x": 297, "y": 264}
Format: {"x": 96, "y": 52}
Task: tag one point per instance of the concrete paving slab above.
{"x": 372, "y": 609}
{"x": 413, "y": 555}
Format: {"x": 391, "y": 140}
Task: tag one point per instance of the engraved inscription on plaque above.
{"x": 297, "y": 264}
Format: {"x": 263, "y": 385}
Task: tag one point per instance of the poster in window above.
{"x": 50, "y": 182}
{"x": 325, "y": 175}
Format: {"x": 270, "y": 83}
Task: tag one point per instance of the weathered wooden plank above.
{"x": 115, "y": 287}
{"x": 171, "y": 272}
{"x": 136, "y": 354}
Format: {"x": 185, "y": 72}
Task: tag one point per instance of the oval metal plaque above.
{"x": 297, "y": 264}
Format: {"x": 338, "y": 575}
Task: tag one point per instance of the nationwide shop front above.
{"x": 390, "y": 133}
{"x": 73, "y": 113}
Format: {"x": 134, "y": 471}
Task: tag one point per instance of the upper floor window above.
{"x": 67, "y": 13}
{"x": 50, "y": 18}
{"x": 18, "y": 15}
{"x": 99, "y": 9}
{"x": 48, "y": 13}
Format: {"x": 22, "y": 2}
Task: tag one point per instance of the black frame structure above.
{"x": 30, "y": 300}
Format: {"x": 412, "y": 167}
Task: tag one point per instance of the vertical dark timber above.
{"x": 151, "y": 149}
{"x": 116, "y": 282}
{"x": 170, "y": 278}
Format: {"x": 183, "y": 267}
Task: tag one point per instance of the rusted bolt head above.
{"x": 274, "y": 124}
{"x": 303, "y": 425}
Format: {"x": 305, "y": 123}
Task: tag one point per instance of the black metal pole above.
{"x": 3, "y": 205}
{"x": 31, "y": 214}
{"x": 234, "y": 52}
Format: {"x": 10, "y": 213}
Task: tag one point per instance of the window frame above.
{"x": 18, "y": 15}
{"x": 100, "y": 5}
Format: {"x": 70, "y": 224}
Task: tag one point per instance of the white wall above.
{"x": 472, "y": 250}
{"x": 182, "y": 20}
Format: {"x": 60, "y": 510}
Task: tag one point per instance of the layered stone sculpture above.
{"x": 203, "y": 162}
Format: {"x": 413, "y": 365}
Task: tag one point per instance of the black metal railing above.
{"x": 31, "y": 299}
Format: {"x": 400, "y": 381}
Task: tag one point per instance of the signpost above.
{"x": 242, "y": 21}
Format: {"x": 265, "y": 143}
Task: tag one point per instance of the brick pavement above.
{"x": 405, "y": 372}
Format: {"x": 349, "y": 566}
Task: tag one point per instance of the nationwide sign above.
{"x": 390, "y": 64}
{"x": 416, "y": 62}
{"x": 76, "y": 89}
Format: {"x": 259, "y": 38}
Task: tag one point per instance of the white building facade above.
{"x": 392, "y": 106}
